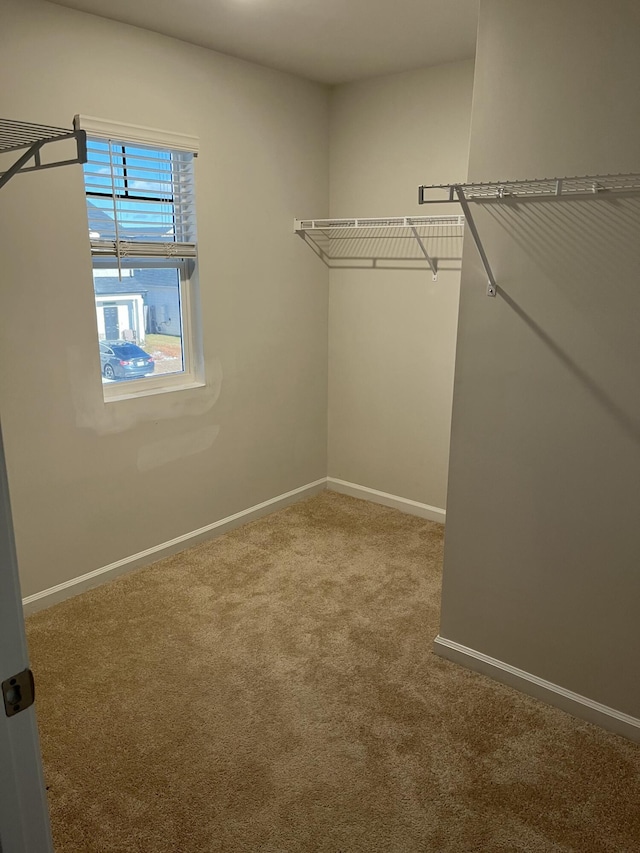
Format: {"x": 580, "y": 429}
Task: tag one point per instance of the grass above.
{"x": 169, "y": 345}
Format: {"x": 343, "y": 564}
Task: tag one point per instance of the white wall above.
{"x": 94, "y": 483}
{"x": 392, "y": 334}
{"x": 543, "y": 540}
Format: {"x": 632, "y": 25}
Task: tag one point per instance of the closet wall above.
{"x": 91, "y": 483}
{"x": 392, "y": 333}
{"x": 541, "y": 562}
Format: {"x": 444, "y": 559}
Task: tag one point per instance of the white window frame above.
{"x": 192, "y": 374}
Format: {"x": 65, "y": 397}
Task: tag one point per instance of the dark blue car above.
{"x": 124, "y": 360}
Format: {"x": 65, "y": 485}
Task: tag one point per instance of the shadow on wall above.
{"x": 584, "y": 305}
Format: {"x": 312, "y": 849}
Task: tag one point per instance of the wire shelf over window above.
{"x": 31, "y": 139}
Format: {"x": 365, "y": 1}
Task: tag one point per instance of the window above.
{"x": 139, "y": 187}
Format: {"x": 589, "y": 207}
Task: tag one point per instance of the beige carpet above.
{"x": 274, "y": 690}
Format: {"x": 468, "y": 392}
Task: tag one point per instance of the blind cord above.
{"x": 115, "y": 210}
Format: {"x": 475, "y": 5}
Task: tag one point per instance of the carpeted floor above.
{"x": 274, "y": 690}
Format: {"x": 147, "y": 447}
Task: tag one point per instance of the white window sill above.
{"x": 151, "y": 391}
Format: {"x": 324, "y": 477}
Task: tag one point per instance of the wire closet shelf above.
{"x": 30, "y": 139}
{"x": 541, "y": 189}
{"x": 333, "y": 239}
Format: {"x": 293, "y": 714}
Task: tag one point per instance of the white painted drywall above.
{"x": 541, "y": 559}
{"x": 392, "y": 333}
{"x": 94, "y": 483}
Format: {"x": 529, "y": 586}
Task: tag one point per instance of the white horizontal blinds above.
{"x": 140, "y": 200}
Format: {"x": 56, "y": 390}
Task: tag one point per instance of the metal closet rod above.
{"x": 582, "y": 187}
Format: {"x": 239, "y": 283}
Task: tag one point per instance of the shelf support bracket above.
{"x": 33, "y": 151}
{"x": 317, "y": 250}
{"x": 433, "y": 263}
{"x": 492, "y": 287}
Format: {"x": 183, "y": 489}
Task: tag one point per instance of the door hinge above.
{"x": 18, "y": 692}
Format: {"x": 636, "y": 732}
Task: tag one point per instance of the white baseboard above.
{"x": 433, "y": 513}
{"x": 539, "y": 688}
{"x": 54, "y": 594}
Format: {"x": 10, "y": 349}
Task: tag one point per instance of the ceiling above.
{"x": 331, "y": 41}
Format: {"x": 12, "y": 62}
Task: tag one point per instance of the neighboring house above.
{"x": 120, "y": 309}
{"x": 162, "y": 300}
{"x": 144, "y": 301}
